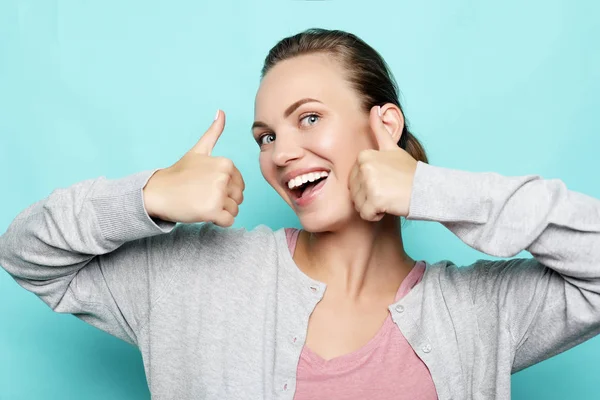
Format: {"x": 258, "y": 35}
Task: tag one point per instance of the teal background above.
{"x": 91, "y": 88}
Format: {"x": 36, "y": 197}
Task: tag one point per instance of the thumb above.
{"x": 383, "y": 138}
{"x": 208, "y": 141}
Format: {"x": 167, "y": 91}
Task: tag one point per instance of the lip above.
{"x": 301, "y": 202}
{"x": 297, "y": 172}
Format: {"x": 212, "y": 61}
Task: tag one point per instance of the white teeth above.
{"x": 310, "y": 177}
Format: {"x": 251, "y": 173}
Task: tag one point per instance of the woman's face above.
{"x": 310, "y": 128}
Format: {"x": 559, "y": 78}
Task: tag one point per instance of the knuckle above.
{"x": 377, "y": 198}
{"x": 228, "y": 220}
{"x": 221, "y": 179}
{"x": 364, "y": 215}
{"x": 214, "y": 208}
{"x": 364, "y": 156}
{"x": 357, "y": 207}
{"x": 370, "y": 183}
{"x": 367, "y": 168}
{"x": 224, "y": 164}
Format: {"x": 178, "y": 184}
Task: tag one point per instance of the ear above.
{"x": 393, "y": 120}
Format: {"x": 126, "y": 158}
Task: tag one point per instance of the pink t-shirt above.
{"x": 385, "y": 368}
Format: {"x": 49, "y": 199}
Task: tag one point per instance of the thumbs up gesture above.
{"x": 381, "y": 180}
{"x": 198, "y": 187}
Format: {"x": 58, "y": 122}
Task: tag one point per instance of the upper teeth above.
{"x": 302, "y": 179}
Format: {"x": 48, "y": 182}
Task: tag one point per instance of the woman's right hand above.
{"x": 198, "y": 187}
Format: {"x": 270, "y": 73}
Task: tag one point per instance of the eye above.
{"x": 266, "y": 139}
{"x": 310, "y": 119}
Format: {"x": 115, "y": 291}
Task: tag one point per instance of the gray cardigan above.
{"x": 214, "y": 311}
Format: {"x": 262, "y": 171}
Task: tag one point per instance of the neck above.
{"x": 362, "y": 259}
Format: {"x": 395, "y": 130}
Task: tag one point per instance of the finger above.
{"x": 352, "y": 179}
{"x": 224, "y": 219}
{"x": 368, "y": 212}
{"x": 383, "y": 137}
{"x": 355, "y": 188}
{"x": 236, "y": 194}
{"x": 359, "y": 199}
{"x": 237, "y": 180}
{"x": 208, "y": 141}
{"x": 378, "y": 217}
{"x": 231, "y": 206}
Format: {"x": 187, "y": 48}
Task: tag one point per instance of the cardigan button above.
{"x": 426, "y": 348}
{"x": 400, "y": 308}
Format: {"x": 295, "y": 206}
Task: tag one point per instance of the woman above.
{"x": 337, "y": 310}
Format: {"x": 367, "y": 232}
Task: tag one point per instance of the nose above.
{"x": 286, "y": 150}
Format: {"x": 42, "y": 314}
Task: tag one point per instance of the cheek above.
{"x": 342, "y": 134}
{"x": 341, "y": 146}
{"x": 328, "y": 141}
{"x": 268, "y": 169}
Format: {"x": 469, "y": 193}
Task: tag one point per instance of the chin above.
{"x": 326, "y": 220}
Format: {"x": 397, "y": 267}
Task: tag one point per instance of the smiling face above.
{"x": 311, "y": 127}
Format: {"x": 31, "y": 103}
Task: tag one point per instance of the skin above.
{"x": 351, "y": 239}
{"x": 362, "y": 261}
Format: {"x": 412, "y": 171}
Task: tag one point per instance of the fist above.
{"x": 198, "y": 187}
{"x": 381, "y": 180}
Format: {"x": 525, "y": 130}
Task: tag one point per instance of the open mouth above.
{"x": 304, "y": 185}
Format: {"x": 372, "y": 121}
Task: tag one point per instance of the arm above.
{"x": 551, "y": 302}
{"x": 93, "y": 251}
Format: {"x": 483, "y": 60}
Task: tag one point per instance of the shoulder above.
{"x": 448, "y": 270}
{"x": 208, "y": 233}
{"x": 485, "y": 279}
{"x": 208, "y": 243}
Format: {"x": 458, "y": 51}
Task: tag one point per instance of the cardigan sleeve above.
{"x": 92, "y": 250}
{"x": 548, "y": 303}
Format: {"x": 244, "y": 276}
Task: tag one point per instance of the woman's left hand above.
{"x": 381, "y": 181}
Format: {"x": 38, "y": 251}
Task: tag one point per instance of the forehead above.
{"x": 316, "y": 76}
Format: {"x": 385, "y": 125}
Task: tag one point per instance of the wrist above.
{"x": 150, "y": 197}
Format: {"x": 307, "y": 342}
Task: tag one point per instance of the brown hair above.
{"x": 367, "y": 71}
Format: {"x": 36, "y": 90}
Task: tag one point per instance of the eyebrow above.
{"x": 288, "y": 111}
